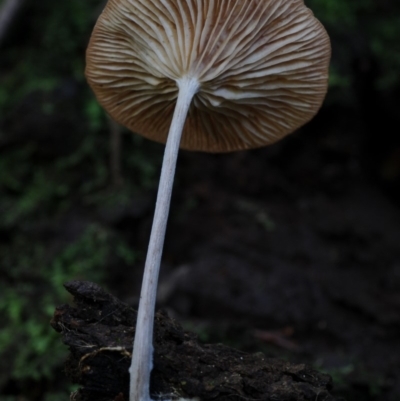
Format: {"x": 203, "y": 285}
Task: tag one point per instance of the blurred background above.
{"x": 292, "y": 250}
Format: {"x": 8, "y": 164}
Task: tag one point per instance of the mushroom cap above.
{"x": 262, "y": 66}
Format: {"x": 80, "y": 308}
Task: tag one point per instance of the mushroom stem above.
{"x": 142, "y": 355}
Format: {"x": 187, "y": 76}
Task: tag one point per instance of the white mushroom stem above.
{"x": 142, "y": 356}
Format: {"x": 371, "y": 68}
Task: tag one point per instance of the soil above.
{"x": 99, "y": 332}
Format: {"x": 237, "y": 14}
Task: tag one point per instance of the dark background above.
{"x": 292, "y": 250}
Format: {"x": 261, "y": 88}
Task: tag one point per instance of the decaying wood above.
{"x": 99, "y": 331}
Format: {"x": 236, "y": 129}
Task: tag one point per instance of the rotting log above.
{"x": 99, "y": 331}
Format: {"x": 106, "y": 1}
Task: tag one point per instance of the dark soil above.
{"x": 99, "y": 333}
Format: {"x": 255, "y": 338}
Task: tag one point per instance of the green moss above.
{"x": 31, "y": 289}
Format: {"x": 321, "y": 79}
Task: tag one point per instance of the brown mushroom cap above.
{"x": 262, "y": 66}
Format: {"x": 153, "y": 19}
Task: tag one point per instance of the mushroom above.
{"x": 207, "y": 75}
